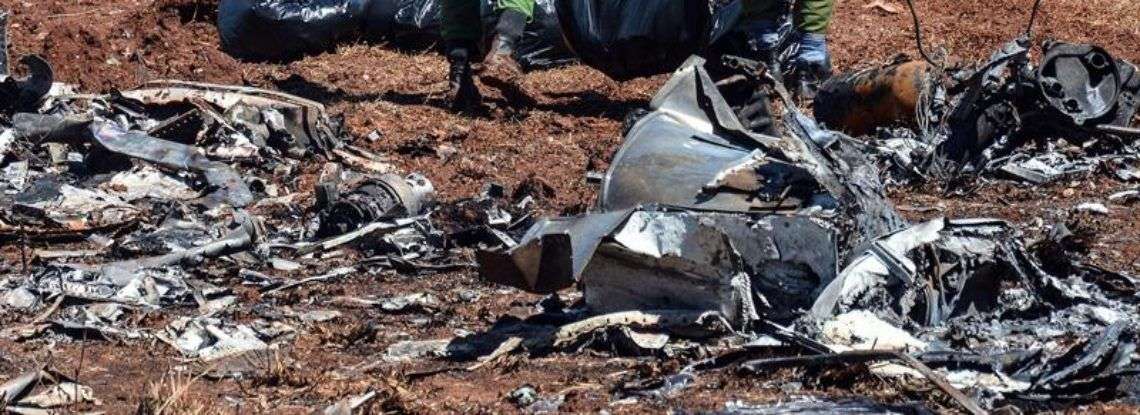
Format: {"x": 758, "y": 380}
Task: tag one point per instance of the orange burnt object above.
{"x": 859, "y": 102}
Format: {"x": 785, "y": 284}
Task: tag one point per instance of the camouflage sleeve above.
{"x": 814, "y": 16}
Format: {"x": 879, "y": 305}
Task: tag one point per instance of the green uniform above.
{"x": 462, "y": 20}
{"x": 812, "y": 16}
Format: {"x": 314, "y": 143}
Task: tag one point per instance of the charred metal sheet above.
{"x": 75, "y": 209}
{"x": 671, "y": 258}
{"x": 692, "y": 152}
{"x": 304, "y": 119}
{"x": 185, "y": 128}
{"x": 1045, "y": 328}
{"x": 52, "y": 127}
{"x": 742, "y": 266}
{"x": 553, "y": 253}
{"x": 716, "y": 232}
{"x": 669, "y": 155}
{"x": 229, "y": 184}
{"x": 25, "y": 95}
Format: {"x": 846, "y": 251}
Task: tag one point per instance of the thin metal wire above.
{"x": 1032, "y": 19}
{"x": 918, "y": 35}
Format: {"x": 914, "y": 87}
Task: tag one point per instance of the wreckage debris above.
{"x": 763, "y": 251}
{"x": 762, "y": 220}
{"x": 387, "y": 197}
{"x": 751, "y": 227}
{"x": 56, "y": 391}
{"x": 983, "y": 119}
{"x": 171, "y": 187}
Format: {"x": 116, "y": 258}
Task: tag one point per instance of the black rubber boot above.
{"x": 499, "y": 69}
{"x": 462, "y": 95}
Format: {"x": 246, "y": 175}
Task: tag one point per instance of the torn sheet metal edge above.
{"x": 674, "y": 152}
{"x": 557, "y": 253}
{"x": 552, "y": 254}
{"x": 314, "y": 119}
{"x": 741, "y": 265}
{"x": 668, "y": 262}
{"x": 681, "y": 95}
{"x": 704, "y": 139}
{"x": 225, "y": 96}
{"x": 231, "y": 187}
{"x": 887, "y": 257}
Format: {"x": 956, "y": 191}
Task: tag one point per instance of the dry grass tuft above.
{"x": 168, "y": 397}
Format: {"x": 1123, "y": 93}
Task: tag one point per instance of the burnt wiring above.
{"x": 918, "y": 36}
{"x": 1032, "y": 19}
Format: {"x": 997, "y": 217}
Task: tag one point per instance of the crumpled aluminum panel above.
{"x": 700, "y": 214}
{"x": 740, "y": 265}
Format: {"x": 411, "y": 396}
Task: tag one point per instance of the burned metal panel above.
{"x": 740, "y": 265}
{"x": 668, "y": 263}
{"x": 231, "y": 188}
{"x": 303, "y": 119}
{"x": 671, "y": 154}
{"x": 666, "y": 162}
{"x": 553, "y": 253}
{"x": 691, "y": 152}
{"x": 693, "y": 159}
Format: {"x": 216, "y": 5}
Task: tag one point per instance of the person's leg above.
{"x": 460, "y": 21}
{"x": 461, "y": 30}
{"x": 770, "y": 10}
{"x": 512, "y": 19}
{"x": 761, "y": 25}
{"x": 525, "y": 7}
{"x": 500, "y": 69}
{"x": 812, "y": 20}
{"x": 814, "y": 16}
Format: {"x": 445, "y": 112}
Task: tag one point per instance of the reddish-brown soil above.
{"x": 102, "y": 45}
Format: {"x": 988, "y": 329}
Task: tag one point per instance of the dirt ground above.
{"x": 102, "y": 45}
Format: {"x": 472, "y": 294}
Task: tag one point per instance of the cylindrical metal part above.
{"x": 858, "y": 103}
{"x": 390, "y": 196}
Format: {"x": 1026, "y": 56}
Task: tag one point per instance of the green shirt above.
{"x": 812, "y": 16}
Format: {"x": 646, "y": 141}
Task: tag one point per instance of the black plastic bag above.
{"x": 411, "y": 20}
{"x": 386, "y": 19}
{"x": 627, "y": 39}
{"x": 286, "y": 29}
